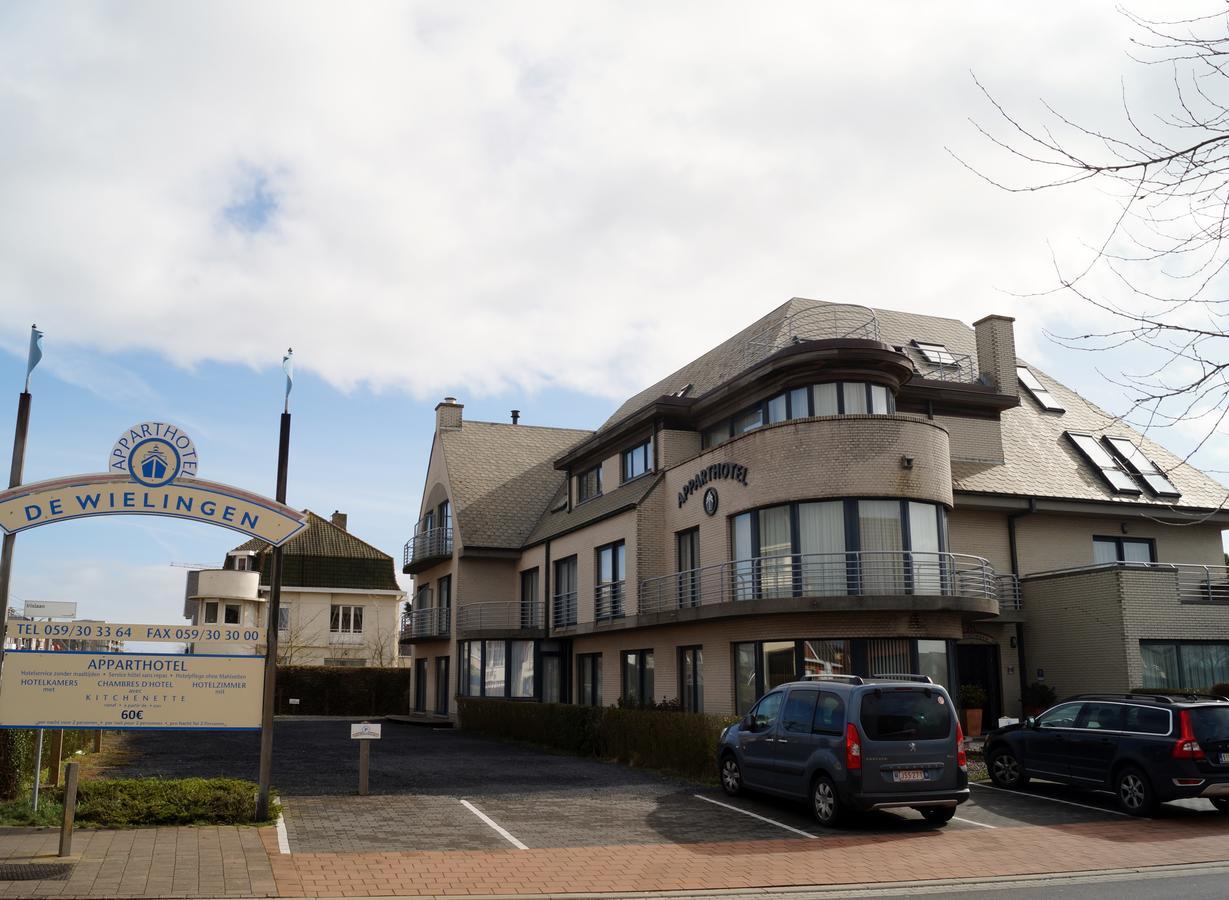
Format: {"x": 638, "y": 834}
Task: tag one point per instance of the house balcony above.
{"x": 430, "y": 624}
{"x": 501, "y": 618}
{"x": 425, "y": 549}
{"x": 830, "y": 321}
{"x": 853, "y": 581}
{"x": 1173, "y": 583}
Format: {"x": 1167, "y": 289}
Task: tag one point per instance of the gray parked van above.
{"x": 846, "y": 743}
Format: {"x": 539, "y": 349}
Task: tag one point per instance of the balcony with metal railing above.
{"x": 961, "y": 369}
{"x": 428, "y": 624}
{"x": 501, "y": 618}
{"x": 1185, "y": 583}
{"x": 829, "y": 321}
{"x": 563, "y": 610}
{"x": 856, "y": 580}
{"x": 425, "y": 549}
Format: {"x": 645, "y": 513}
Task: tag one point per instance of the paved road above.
{"x": 448, "y": 790}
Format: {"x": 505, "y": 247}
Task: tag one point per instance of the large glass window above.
{"x": 608, "y": 596}
{"x": 520, "y": 668}
{"x": 821, "y": 543}
{"x": 853, "y": 394}
{"x": 444, "y": 587}
{"x": 473, "y": 668}
{"x": 1184, "y": 665}
{"x": 345, "y": 619}
{"x": 776, "y": 544}
{"x": 589, "y": 484}
{"x": 493, "y": 668}
{"x": 691, "y": 678}
{"x": 749, "y": 420}
{"x": 687, "y": 547}
{"x": 930, "y": 568}
{"x": 589, "y": 679}
{"x": 932, "y": 661}
{"x": 888, "y": 657}
{"x": 637, "y": 677}
{"x": 744, "y": 587}
{"x": 530, "y": 616}
{"x": 638, "y": 460}
{"x": 564, "y": 605}
{"x": 780, "y": 663}
{"x": 1122, "y": 550}
{"x": 826, "y": 658}
{"x": 827, "y": 399}
{"x": 745, "y": 684}
{"x": 881, "y": 543}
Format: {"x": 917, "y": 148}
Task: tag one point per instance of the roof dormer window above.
{"x": 589, "y": 484}
{"x": 1105, "y": 464}
{"x": 1144, "y": 469}
{"x": 936, "y": 354}
{"x": 1037, "y": 390}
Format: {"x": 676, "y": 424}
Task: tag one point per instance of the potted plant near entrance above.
{"x": 1038, "y": 697}
{"x": 972, "y": 705}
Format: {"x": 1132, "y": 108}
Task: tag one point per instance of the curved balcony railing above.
{"x": 426, "y": 546}
{"x": 422, "y": 624}
{"x": 500, "y": 615}
{"x": 856, "y": 573}
{"x": 828, "y": 321}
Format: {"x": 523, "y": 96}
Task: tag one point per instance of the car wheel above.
{"x": 731, "y": 775}
{"x": 1005, "y": 770}
{"x": 1134, "y": 792}
{"x": 1221, "y": 804}
{"x": 938, "y": 815}
{"x": 825, "y": 802}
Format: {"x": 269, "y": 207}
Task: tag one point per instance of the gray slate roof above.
{"x": 502, "y": 478}
{"x": 325, "y": 556}
{"x": 558, "y": 521}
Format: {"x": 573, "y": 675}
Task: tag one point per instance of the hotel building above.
{"x": 833, "y": 489}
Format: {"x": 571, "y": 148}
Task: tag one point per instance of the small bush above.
{"x": 677, "y": 742}
{"x": 137, "y": 802}
{"x": 342, "y": 690}
{"x": 972, "y": 696}
{"x": 1039, "y": 695}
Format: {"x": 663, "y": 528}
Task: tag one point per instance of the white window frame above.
{"x": 345, "y": 617}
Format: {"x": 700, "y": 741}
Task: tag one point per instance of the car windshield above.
{"x": 1211, "y": 723}
{"x": 906, "y": 715}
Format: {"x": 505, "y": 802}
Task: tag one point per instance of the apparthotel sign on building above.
{"x": 152, "y": 471}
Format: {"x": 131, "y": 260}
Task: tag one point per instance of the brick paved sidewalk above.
{"x": 834, "y": 860}
{"x": 216, "y": 861}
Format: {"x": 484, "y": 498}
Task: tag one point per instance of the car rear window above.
{"x": 1211, "y": 723}
{"x": 1147, "y": 720}
{"x": 906, "y": 715}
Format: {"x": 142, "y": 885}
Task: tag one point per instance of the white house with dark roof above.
{"x": 832, "y": 489}
{"x": 340, "y": 598}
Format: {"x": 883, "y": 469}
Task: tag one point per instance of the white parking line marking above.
{"x": 755, "y": 816}
{"x": 990, "y": 787}
{"x": 499, "y": 829}
{"x": 971, "y": 822}
{"x": 283, "y": 839}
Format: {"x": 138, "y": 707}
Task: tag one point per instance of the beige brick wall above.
{"x": 1075, "y": 632}
{"x": 583, "y": 543}
{"x": 980, "y": 533}
{"x": 676, "y": 446}
{"x": 1046, "y": 542}
{"x": 996, "y": 351}
{"x": 1152, "y": 610}
{"x": 655, "y": 554}
{"x": 974, "y": 440}
{"x": 717, "y": 637}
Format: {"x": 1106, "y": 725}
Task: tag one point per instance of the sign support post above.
{"x": 275, "y": 605}
{"x": 9, "y": 776}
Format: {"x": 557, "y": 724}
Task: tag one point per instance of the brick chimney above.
{"x": 339, "y": 519}
{"x": 448, "y": 414}
{"x": 996, "y": 353}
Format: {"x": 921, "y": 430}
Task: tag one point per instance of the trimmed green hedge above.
{"x": 676, "y": 742}
{"x": 342, "y": 691}
{"x": 138, "y": 802}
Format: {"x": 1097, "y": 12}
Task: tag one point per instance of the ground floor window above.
{"x": 691, "y": 678}
{"x": 441, "y": 685}
{"x": 1186, "y": 665}
{"x": 638, "y": 688}
{"x": 760, "y": 666}
{"x": 589, "y": 679}
{"x": 497, "y": 669}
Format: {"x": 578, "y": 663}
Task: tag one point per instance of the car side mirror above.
{"x": 1030, "y": 722}
{"x": 748, "y": 724}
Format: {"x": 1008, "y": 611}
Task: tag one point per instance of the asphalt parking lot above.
{"x": 439, "y": 789}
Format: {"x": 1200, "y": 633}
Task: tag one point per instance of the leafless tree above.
{"x": 1160, "y": 272}
{"x": 381, "y": 642}
{"x": 295, "y": 641}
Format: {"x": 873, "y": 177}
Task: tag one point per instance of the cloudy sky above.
{"x": 535, "y": 205}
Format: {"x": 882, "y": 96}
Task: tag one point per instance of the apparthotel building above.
{"x": 834, "y": 489}
{"x": 340, "y": 599}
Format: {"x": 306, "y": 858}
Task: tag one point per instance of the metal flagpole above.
{"x": 275, "y": 605}
{"x": 8, "y": 773}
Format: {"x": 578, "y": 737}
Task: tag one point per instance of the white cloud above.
{"x": 491, "y": 195}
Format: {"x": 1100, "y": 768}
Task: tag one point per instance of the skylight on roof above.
{"x": 936, "y": 354}
{"x": 1038, "y": 391}
{"x": 1145, "y": 469}
{"x": 1105, "y": 464}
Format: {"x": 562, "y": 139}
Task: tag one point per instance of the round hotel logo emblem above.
{"x": 710, "y": 501}
{"x": 153, "y": 454}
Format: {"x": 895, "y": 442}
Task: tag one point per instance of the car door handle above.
{"x": 782, "y": 741}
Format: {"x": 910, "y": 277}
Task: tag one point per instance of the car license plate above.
{"x": 908, "y": 775}
{"x": 1224, "y": 759}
